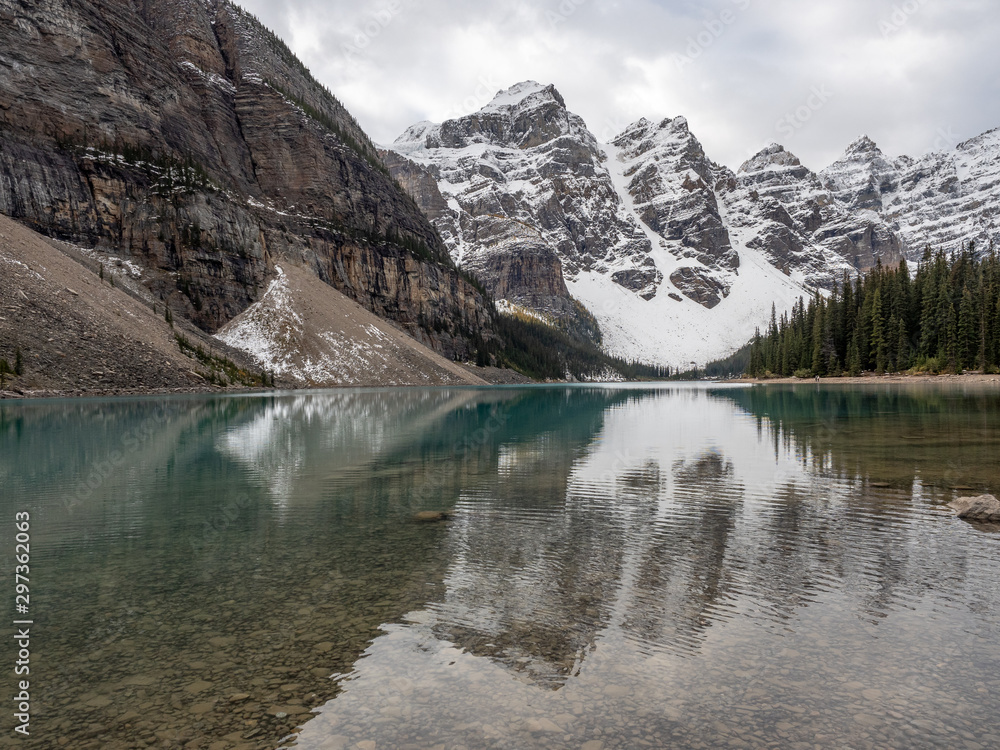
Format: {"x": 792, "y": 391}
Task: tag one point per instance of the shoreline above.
{"x": 47, "y": 393}
{"x": 872, "y": 379}
{"x": 492, "y": 376}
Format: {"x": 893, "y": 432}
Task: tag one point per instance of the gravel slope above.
{"x": 79, "y": 335}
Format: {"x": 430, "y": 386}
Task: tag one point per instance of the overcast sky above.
{"x": 915, "y": 75}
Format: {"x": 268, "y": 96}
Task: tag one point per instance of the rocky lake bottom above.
{"x": 620, "y": 567}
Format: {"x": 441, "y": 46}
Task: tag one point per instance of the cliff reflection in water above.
{"x": 685, "y": 553}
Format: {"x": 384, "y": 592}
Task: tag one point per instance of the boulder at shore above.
{"x": 985, "y": 508}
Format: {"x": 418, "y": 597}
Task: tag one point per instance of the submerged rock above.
{"x": 983, "y": 509}
{"x": 430, "y": 516}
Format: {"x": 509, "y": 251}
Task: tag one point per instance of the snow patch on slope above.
{"x": 268, "y": 330}
{"x": 513, "y": 96}
{"x": 303, "y": 330}
{"x": 676, "y": 330}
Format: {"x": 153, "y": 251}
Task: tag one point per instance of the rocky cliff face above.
{"x": 187, "y": 136}
{"x": 781, "y": 208}
{"x": 670, "y": 183}
{"x": 944, "y": 199}
{"x": 526, "y": 196}
{"x": 677, "y": 257}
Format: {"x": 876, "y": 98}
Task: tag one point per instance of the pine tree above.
{"x": 996, "y": 333}
{"x": 947, "y": 316}
{"x": 817, "y": 365}
{"x": 967, "y": 345}
{"x": 878, "y": 343}
{"x": 786, "y": 352}
{"x": 902, "y": 347}
{"x": 949, "y": 352}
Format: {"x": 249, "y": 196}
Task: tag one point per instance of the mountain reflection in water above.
{"x": 628, "y": 566}
{"x": 757, "y": 547}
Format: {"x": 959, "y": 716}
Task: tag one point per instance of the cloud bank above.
{"x": 915, "y": 75}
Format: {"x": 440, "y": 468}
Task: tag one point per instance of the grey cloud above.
{"x": 744, "y": 72}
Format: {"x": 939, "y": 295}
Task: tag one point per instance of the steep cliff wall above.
{"x": 185, "y": 135}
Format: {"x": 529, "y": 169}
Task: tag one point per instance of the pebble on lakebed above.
{"x": 430, "y": 516}
{"x": 983, "y": 509}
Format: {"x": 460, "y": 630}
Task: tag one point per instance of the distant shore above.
{"x": 874, "y": 379}
{"x": 492, "y": 375}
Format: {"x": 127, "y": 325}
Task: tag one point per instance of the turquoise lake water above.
{"x": 623, "y": 567}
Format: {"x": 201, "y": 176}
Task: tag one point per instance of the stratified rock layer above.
{"x": 187, "y": 136}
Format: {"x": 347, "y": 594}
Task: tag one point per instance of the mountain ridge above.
{"x": 665, "y": 221}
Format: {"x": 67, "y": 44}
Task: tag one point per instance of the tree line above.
{"x": 945, "y": 318}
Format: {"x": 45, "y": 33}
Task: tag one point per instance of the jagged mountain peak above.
{"x": 657, "y": 240}
{"x": 861, "y": 175}
{"x": 644, "y": 127}
{"x": 990, "y": 139}
{"x": 671, "y": 136}
{"x": 417, "y": 133}
{"x": 863, "y": 145}
{"x": 633, "y": 132}
{"x": 863, "y": 152}
{"x": 769, "y": 157}
{"x": 679, "y": 124}
{"x": 525, "y": 92}
{"x": 944, "y": 198}
{"x": 524, "y": 116}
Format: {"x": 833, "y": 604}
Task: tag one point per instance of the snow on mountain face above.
{"x": 668, "y": 182}
{"x": 781, "y": 208}
{"x": 677, "y": 258}
{"x": 525, "y": 187}
{"x": 303, "y": 331}
{"x": 943, "y": 199}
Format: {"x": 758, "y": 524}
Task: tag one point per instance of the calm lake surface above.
{"x": 624, "y": 567}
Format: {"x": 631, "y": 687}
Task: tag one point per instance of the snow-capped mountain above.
{"x": 677, "y": 257}
{"x": 528, "y": 202}
{"x": 942, "y": 199}
{"x": 780, "y": 207}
